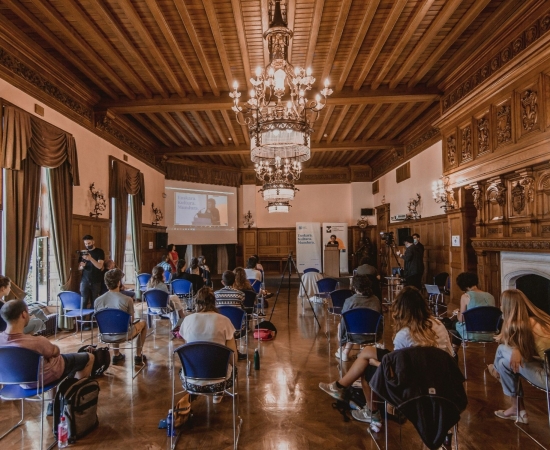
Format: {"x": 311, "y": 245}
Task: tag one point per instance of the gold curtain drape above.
{"x": 29, "y": 143}
{"x": 126, "y": 180}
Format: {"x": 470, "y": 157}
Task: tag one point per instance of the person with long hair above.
{"x": 205, "y": 270}
{"x": 172, "y": 256}
{"x": 207, "y": 324}
{"x": 414, "y": 325}
{"x": 524, "y": 336}
{"x": 183, "y": 274}
{"x": 157, "y": 281}
{"x": 241, "y": 281}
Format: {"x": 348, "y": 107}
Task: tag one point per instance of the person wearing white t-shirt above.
{"x": 251, "y": 272}
{"x": 207, "y": 324}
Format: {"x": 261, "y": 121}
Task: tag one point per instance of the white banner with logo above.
{"x": 340, "y": 230}
{"x": 308, "y": 246}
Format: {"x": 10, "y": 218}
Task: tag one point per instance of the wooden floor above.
{"x": 281, "y": 405}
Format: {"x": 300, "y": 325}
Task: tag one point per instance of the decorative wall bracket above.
{"x": 158, "y": 214}
{"x": 443, "y": 193}
{"x": 496, "y": 192}
{"x": 99, "y": 200}
{"x": 363, "y": 222}
{"x": 412, "y": 206}
{"x": 477, "y": 193}
{"x": 248, "y": 222}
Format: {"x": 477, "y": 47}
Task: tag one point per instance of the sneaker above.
{"x": 376, "y": 422}
{"x": 118, "y": 358}
{"x": 261, "y": 314}
{"x": 362, "y": 415}
{"x": 217, "y": 398}
{"x": 49, "y": 411}
{"x": 241, "y": 356}
{"x": 332, "y": 390}
{"x": 345, "y": 357}
{"x": 140, "y": 360}
{"x": 268, "y": 295}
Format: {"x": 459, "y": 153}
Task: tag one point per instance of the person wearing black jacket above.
{"x": 414, "y": 265}
{"x": 418, "y": 244}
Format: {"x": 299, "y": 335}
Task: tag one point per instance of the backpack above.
{"x": 102, "y": 359}
{"x": 77, "y": 400}
{"x": 265, "y": 331}
{"x": 182, "y": 412}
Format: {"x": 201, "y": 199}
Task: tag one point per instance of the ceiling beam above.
{"x": 438, "y": 23}
{"x": 337, "y": 123}
{"x": 210, "y": 102}
{"x": 358, "y": 42}
{"x": 380, "y": 121}
{"x": 375, "y": 50}
{"x": 264, "y": 13}
{"x": 245, "y": 149}
{"x": 217, "y": 127}
{"x": 410, "y": 118}
{"x": 291, "y": 17}
{"x": 239, "y": 27}
{"x": 402, "y": 43}
{"x": 147, "y": 126}
{"x": 229, "y": 126}
{"x": 190, "y": 127}
{"x": 205, "y": 128}
{"x": 151, "y": 45}
{"x": 315, "y": 26}
{"x": 395, "y": 120}
{"x": 322, "y": 127}
{"x": 368, "y": 118}
{"x": 107, "y": 18}
{"x": 46, "y": 34}
{"x": 177, "y": 127}
{"x": 449, "y": 40}
{"x": 351, "y": 122}
{"x": 345, "y": 6}
{"x": 91, "y": 28}
{"x": 173, "y": 43}
{"x": 164, "y": 128}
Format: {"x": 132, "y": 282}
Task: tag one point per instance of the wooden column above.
{"x": 488, "y": 271}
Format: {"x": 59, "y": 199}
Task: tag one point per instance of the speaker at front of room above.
{"x": 162, "y": 240}
{"x": 402, "y": 233}
{"x": 367, "y": 211}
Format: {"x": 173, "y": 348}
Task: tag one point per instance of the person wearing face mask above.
{"x": 91, "y": 264}
{"x": 419, "y": 246}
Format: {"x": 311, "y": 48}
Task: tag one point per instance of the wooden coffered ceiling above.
{"x": 160, "y": 70}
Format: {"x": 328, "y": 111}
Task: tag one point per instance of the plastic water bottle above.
{"x": 62, "y": 433}
{"x": 170, "y": 424}
{"x": 256, "y": 360}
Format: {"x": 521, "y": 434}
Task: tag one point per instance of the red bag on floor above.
{"x": 265, "y": 331}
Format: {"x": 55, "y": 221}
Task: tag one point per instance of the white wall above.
{"x": 426, "y": 168}
{"x": 93, "y": 158}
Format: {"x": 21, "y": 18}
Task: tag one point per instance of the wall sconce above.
{"x": 363, "y": 222}
{"x": 443, "y": 193}
{"x": 99, "y": 200}
{"x": 412, "y": 206}
{"x": 158, "y": 214}
{"x": 248, "y": 219}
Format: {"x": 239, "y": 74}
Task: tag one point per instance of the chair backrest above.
{"x": 339, "y": 296}
{"x": 3, "y": 325}
{"x": 256, "y": 285}
{"x": 236, "y": 315}
{"x": 482, "y": 319}
{"x": 182, "y": 287}
{"x": 206, "y": 360}
{"x": 70, "y": 300}
{"x": 167, "y": 276}
{"x": 361, "y": 320}
{"x": 112, "y": 321}
{"x": 143, "y": 279}
{"x": 327, "y": 284}
{"x": 19, "y": 365}
{"x": 311, "y": 269}
{"x": 250, "y": 298}
{"x": 156, "y": 298}
{"x": 441, "y": 279}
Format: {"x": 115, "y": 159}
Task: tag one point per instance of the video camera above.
{"x": 82, "y": 252}
{"x": 388, "y": 237}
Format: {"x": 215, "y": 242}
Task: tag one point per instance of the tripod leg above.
{"x": 305, "y": 292}
{"x": 279, "y": 288}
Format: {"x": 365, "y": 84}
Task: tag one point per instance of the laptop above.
{"x": 432, "y": 289}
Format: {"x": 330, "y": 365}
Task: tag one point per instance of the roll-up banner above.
{"x": 340, "y": 230}
{"x": 308, "y": 246}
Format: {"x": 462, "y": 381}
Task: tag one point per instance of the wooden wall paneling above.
{"x": 150, "y": 257}
{"x": 502, "y": 118}
{"x": 530, "y": 111}
{"x": 450, "y": 147}
{"x": 488, "y": 271}
{"x": 482, "y": 140}
{"x": 465, "y": 142}
{"x": 250, "y": 244}
{"x": 100, "y": 229}
{"x": 382, "y": 224}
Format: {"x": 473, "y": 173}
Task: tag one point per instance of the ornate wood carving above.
{"x": 466, "y": 144}
{"x": 527, "y": 183}
{"x": 505, "y": 55}
{"x": 477, "y": 193}
{"x": 511, "y": 245}
{"x": 521, "y": 229}
{"x": 496, "y": 192}
{"x": 419, "y": 141}
{"x": 546, "y": 228}
{"x": 518, "y": 198}
{"x": 203, "y": 174}
{"x": 492, "y": 231}
{"x": 451, "y": 150}
{"x": 483, "y": 135}
{"x": 504, "y": 124}
{"x": 529, "y": 110}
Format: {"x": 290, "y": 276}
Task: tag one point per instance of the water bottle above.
{"x": 62, "y": 433}
{"x": 170, "y": 424}
{"x": 256, "y": 360}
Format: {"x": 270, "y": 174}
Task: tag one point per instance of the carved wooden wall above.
{"x": 272, "y": 245}
{"x": 150, "y": 257}
{"x": 247, "y": 245}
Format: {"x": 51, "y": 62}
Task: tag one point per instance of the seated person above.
{"x": 183, "y": 274}
{"x": 207, "y": 324}
{"x": 165, "y": 263}
{"x": 196, "y": 269}
{"x": 35, "y": 324}
{"x": 206, "y": 270}
{"x": 333, "y": 242}
{"x": 228, "y": 295}
{"x": 258, "y": 265}
{"x": 241, "y": 281}
{"x": 366, "y": 267}
{"x": 363, "y": 298}
{"x": 109, "y": 264}
{"x": 114, "y": 299}
{"x": 157, "y": 282}
{"x": 413, "y": 325}
{"x": 524, "y": 337}
{"x": 251, "y": 272}
{"x": 56, "y": 365}
{"x": 472, "y": 298}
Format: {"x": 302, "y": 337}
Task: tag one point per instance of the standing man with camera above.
{"x": 414, "y": 265}
{"x": 91, "y": 264}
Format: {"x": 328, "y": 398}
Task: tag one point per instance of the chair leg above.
{"x": 464, "y": 357}
{"x": 520, "y": 428}
{"x": 21, "y": 420}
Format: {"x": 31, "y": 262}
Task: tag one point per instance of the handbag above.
{"x": 182, "y": 412}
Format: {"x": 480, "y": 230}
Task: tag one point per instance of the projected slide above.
{"x": 200, "y": 209}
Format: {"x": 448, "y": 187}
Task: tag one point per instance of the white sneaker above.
{"x": 217, "y": 398}
{"x": 345, "y": 357}
{"x": 362, "y": 415}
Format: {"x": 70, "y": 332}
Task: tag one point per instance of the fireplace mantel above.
{"x": 538, "y": 245}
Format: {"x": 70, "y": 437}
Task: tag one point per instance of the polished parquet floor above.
{"x": 281, "y": 405}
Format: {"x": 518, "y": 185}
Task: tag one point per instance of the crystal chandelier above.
{"x": 278, "y": 180}
{"x": 278, "y": 114}
{"x": 278, "y": 206}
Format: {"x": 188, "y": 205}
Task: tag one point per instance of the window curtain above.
{"x": 126, "y": 180}
{"x": 29, "y": 143}
{"x": 223, "y": 263}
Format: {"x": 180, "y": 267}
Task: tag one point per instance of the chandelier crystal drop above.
{"x": 278, "y": 206}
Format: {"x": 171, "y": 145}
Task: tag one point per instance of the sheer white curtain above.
{"x": 222, "y": 258}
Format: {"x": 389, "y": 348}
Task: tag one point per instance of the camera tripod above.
{"x": 385, "y": 260}
{"x": 288, "y": 269}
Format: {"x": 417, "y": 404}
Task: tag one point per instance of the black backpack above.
{"x": 77, "y": 400}
{"x": 102, "y": 359}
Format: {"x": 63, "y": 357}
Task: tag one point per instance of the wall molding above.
{"x": 511, "y": 245}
